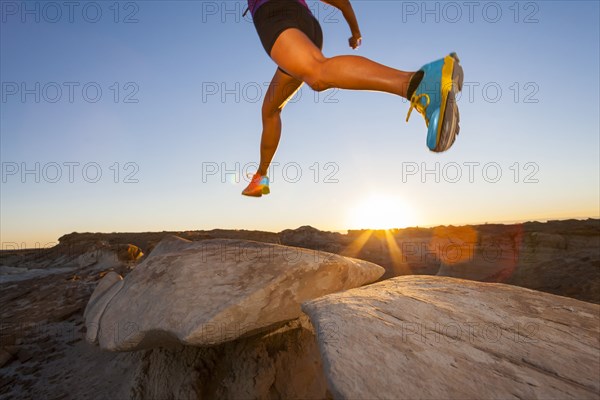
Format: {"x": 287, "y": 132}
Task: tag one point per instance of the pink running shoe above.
{"x": 258, "y": 186}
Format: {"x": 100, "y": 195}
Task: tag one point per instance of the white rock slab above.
{"x": 425, "y": 337}
{"x": 213, "y": 291}
{"x": 108, "y": 286}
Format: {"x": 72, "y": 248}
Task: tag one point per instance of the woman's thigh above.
{"x": 294, "y": 52}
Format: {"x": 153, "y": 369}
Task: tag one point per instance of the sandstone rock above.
{"x": 109, "y": 285}
{"x": 419, "y": 337}
{"x": 11, "y": 349}
{"x": 24, "y": 355}
{"x": 312, "y": 238}
{"x": 550, "y": 240}
{"x": 414, "y": 256}
{"x": 481, "y": 266}
{"x": 214, "y": 291}
{"x": 7, "y": 339}
{"x": 103, "y": 258}
{"x": 146, "y": 241}
{"x": 74, "y": 258}
{"x": 12, "y": 274}
{"x": 5, "y": 357}
{"x": 281, "y": 364}
{"x": 128, "y": 252}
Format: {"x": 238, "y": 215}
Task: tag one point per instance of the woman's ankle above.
{"x": 414, "y": 82}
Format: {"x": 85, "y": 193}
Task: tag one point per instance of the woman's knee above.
{"x": 314, "y": 76}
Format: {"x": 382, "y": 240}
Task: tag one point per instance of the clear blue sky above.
{"x": 530, "y": 105}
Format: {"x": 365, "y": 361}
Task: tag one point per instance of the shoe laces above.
{"x": 415, "y": 103}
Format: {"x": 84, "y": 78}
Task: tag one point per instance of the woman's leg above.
{"x": 296, "y": 53}
{"x": 281, "y": 89}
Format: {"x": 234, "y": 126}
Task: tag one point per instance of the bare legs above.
{"x": 281, "y": 89}
{"x": 294, "y": 52}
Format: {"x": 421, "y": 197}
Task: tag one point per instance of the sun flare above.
{"x": 381, "y": 212}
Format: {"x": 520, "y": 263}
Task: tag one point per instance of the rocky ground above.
{"x": 44, "y": 352}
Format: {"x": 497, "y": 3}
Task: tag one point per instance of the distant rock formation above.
{"x": 312, "y": 238}
{"x": 559, "y": 257}
{"x": 419, "y": 337}
{"x": 90, "y": 255}
{"x": 147, "y": 240}
{"x": 213, "y": 291}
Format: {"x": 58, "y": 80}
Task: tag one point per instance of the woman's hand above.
{"x": 355, "y": 41}
{"x": 346, "y": 8}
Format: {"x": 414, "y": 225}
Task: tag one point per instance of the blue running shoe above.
{"x": 435, "y": 99}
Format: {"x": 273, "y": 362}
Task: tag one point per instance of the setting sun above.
{"x": 381, "y": 212}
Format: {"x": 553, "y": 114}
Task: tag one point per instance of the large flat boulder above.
{"x": 208, "y": 292}
{"x": 424, "y": 337}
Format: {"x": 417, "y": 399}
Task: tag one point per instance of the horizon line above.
{"x": 344, "y": 231}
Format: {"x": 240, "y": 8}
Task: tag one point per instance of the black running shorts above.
{"x": 275, "y": 16}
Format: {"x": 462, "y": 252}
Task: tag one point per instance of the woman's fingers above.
{"x": 355, "y": 42}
